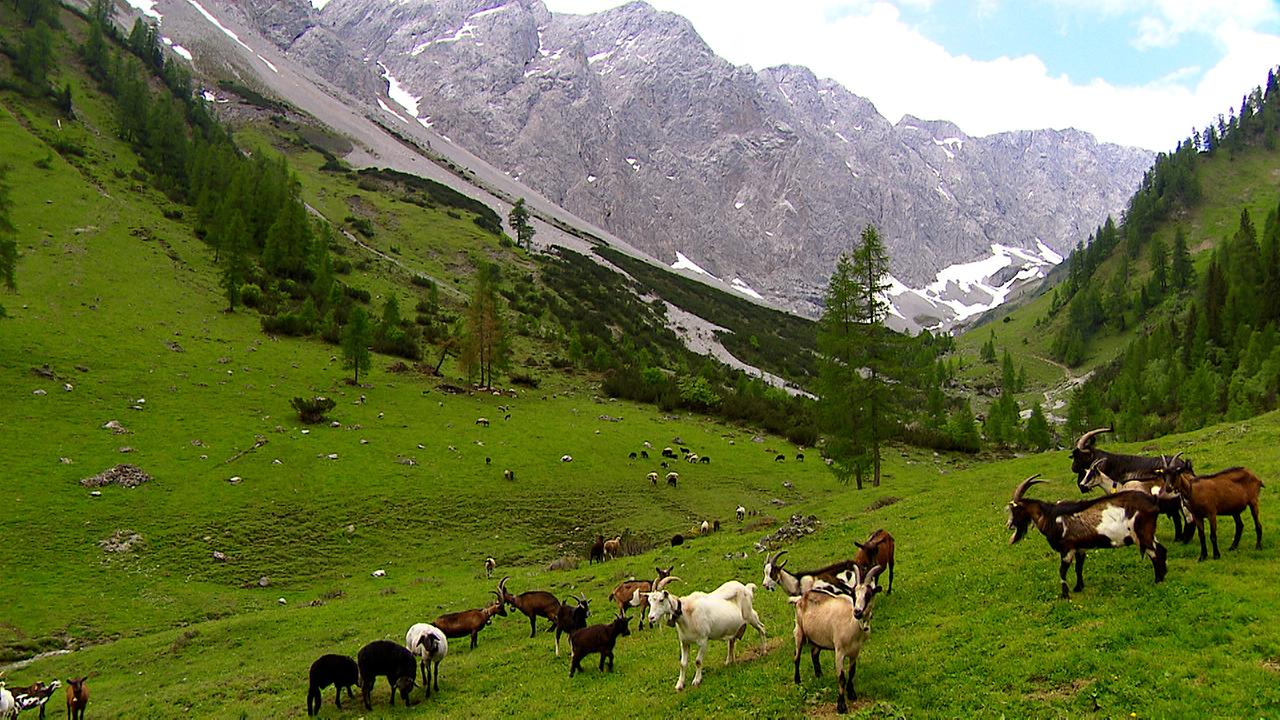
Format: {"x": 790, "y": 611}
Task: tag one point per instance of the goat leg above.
{"x": 1204, "y": 550}
{"x": 1062, "y": 572}
{"x": 1213, "y": 535}
{"x": 800, "y": 641}
{"x": 1239, "y": 531}
{"x": 814, "y": 651}
{"x": 1257, "y": 526}
{"x": 1079, "y": 570}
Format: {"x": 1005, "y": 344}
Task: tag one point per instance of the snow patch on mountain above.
{"x": 684, "y": 263}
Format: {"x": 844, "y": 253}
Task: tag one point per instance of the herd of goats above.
{"x": 833, "y": 604}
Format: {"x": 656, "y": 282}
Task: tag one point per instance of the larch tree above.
{"x": 484, "y": 345}
{"x": 355, "y": 343}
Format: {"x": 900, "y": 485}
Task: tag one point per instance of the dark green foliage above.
{"x": 355, "y": 343}
{"x": 313, "y": 410}
{"x": 1037, "y": 436}
{"x": 35, "y": 57}
{"x": 8, "y": 242}
{"x": 519, "y": 219}
{"x": 439, "y": 194}
{"x": 485, "y": 346}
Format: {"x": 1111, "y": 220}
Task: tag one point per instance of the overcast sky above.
{"x": 1137, "y": 72}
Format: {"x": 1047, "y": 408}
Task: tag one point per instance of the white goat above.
{"x": 8, "y": 708}
{"x": 722, "y": 614}
{"x": 431, "y": 646}
{"x": 704, "y": 528}
{"x": 836, "y": 617}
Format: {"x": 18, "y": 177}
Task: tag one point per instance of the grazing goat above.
{"x": 431, "y": 646}
{"x": 384, "y": 657}
{"x": 644, "y": 454}
{"x": 568, "y": 618}
{"x": 698, "y": 617}
{"x": 792, "y": 584}
{"x": 78, "y": 697}
{"x": 597, "y": 550}
{"x": 653, "y": 478}
{"x": 1223, "y": 493}
{"x": 877, "y": 551}
{"x": 489, "y": 565}
{"x": 704, "y": 460}
{"x": 742, "y": 513}
{"x": 635, "y": 593}
{"x": 632, "y": 456}
{"x": 8, "y": 707}
{"x": 533, "y": 604}
{"x": 508, "y": 475}
{"x": 1169, "y": 501}
{"x": 1073, "y": 526}
{"x": 839, "y": 622}
{"x": 613, "y": 548}
{"x": 482, "y": 421}
{"x": 668, "y": 453}
{"x": 566, "y": 458}
{"x": 673, "y": 478}
{"x": 34, "y": 696}
{"x": 799, "y": 457}
{"x": 704, "y": 528}
{"x": 1121, "y": 467}
{"x": 677, "y": 539}
{"x": 339, "y": 671}
{"x": 692, "y": 458}
{"x": 779, "y": 457}
{"x": 470, "y": 622}
{"x": 715, "y": 526}
{"x": 597, "y": 639}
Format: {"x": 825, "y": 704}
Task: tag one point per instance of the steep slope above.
{"x": 629, "y": 120}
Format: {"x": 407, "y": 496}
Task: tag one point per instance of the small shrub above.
{"x": 251, "y": 296}
{"x": 341, "y": 266}
{"x": 524, "y": 380}
{"x": 567, "y": 562}
{"x": 313, "y": 411}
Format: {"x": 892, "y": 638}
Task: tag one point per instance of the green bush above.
{"x": 312, "y": 411}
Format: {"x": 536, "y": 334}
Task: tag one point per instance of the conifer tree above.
{"x": 1182, "y": 273}
{"x": 484, "y": 346}
{"x": 519, "y": 219}
{"x": 355, "y": 343}
{"x": 233, "y": 241}
{"x": 8, "y": 240}
{"x": 1037, "y": 436}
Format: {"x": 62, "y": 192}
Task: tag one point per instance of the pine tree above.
{"x": 1182, "y": 273}
{"x": 519, "y": 220}
{"x": 1159, "y": 256}
{"x": 8, "y": 241}
{"x": 355, "y": 343}
{"x": 963, "y": 429}
{"x": 839, "y": 407}
{"x": 1038, "y": 437}
{"x": 234, "y": 241}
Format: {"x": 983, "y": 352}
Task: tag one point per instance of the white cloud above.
{"x": 870, "y": 49}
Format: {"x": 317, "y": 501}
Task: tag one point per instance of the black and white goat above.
{"x": 1073, "y": 526}
{"x": 431, "y": 646}
{"x": 1122, "y": 468}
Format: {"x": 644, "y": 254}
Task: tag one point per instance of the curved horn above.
{"x": 664, "y": 582}
{"x": 873, "y": 574}
{"x": 1022, "y": 486}
{"x": 1086, "y": 440}
{"x": 502, "y": 584}
{"x": 861, "y": 546}
{"x": 582, "y": 599}
{"x": 774, "y": 560}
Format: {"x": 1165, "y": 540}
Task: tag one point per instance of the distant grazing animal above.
{"x": 632, "y": 456}
{"x": 787, "y": 484}
{"x": 704, "y": 460}
{"x": 742, "y": 513}
{"x": 508, "y": 475}
{"x": 692, "y": 458}
{"x": 715, "y": 526}
{"x": 644, "y": 454}
{"x": 704, "y": 528}
{"x": 597, "y": 639}
{"x": 775, "y": 576}
{"x": 470, "y": 622}
{"x": 648, "y": 445}
{"x": 677, "y": 539}
{"x": 431, "y": 646}
{"x": 571, "y": 617}
{"x": 78, "y": 697}
{"x": 664, "y": 464}
{"x": 613, "y": 548}
{"x": 1122, "y": 468}
{"x": 653, "y": 478}
{"x": 684, "y": 451}
{"x": 34, "y": 696}
{"x": 1224, "y": 493}
{"x": 489, "y": 565}
{"x": 339, "y": 671}
{"x": 673, "y": 478}
{"x": 635, "y": 593}
{"x": 1071, "y": 527}
{"x": 533, "y": 604}
{"x": 839, "y": 622}
{"x": 566, "y": 458}
{"x": 779, "y": 457}
{"x": 698, "y": 617}
{"x": 668, "y": 453}
{"x": 877, "y": 551}
{"x": 482, "y": 421}
{"x": 597, "y": 551}
{"x": 799, "y": 457}
{"x": 389, "y": 659}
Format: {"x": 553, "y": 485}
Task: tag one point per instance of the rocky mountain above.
{"x": 761, "y": 178}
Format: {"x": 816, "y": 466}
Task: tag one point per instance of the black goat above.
{"x": 339, "y": 671}
{"x": 1121, "y": 468}
{"x": 597, "y": 639}
{"x": 597, "y": 550}
{"x": 570, "y": 618}
{"x": 1071, "y": 527}
{"x": 677, "y": 539}
{"x": 383, "y": 657}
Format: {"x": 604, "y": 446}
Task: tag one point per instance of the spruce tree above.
{"x": 519, "y": 220}
{"x": 8, "y": 235}
{"x": 1182, "y": 274}
{"x": 234, "y": 257}
{"x": 355, "y": 343}
{"x": 1038, "y": 437}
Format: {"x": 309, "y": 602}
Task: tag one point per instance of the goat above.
{"x": 597, "y": 639}
{"x": 779, "y": 457}
{"x": 684, "y": 450}
{"x": 799, "y": 457}
{"x": 569, "y": 619}
{"x": 647, "y": 445}
{"x": 715, "y": 526}
{"x": 566, "y": 458}
{"x": 653, "y": 478}
{"x": 838, "y": 622}
{"x": 668, "y": 453}
{"x": 1168, "y": 499}
{"x": 508, "y": 475}
{"x": 431, "y": 646}
{"x": 1121, "y": 467}
{"x": 787, "y": 484}
{"x": 1227, "y": 492}
{"x": 677, "y": 539}
{"x": 1071, "y": 527}
{"x": 470, "y": 622}
{"x": 705, "y": 460}
{"x": 482, "y": 421}
{"x": 489, "y": 565}
{"x": 632, "y": 456}
{"x": 742, "y": 513}
{"x": 533, "y": 604}
{"x": 8, "y": 706}
{"x": 704, "y": 528}
{"x": 792, "y": 584}
{"x": 692, "y": 458}
{"x": 339, "y": 671}
{"x": 78, "y": 697}
{"x": 635, "y": 593}
{"x": 722, "y": 614}
{"x": 613, "y": 548}
{"x": 673, "y": 478}
{"x": 644, "y": 454}
{"x": 597, "y": 550}
{"x": 384, "y": 657}
{"x": 34, "y": 696}
{"x": 877, "y": 551}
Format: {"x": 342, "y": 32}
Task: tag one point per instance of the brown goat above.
{"x": 470, "y": 622}
{"x": 534, "y": 604}
{"x": 613, "y": 548}
{"x": 597, "y": 550}
{"x": 877, "y": 551}
{"x": 635, "y": 593}
{"x": 77, "y": 697}
{"x": 1224, "y": 493}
